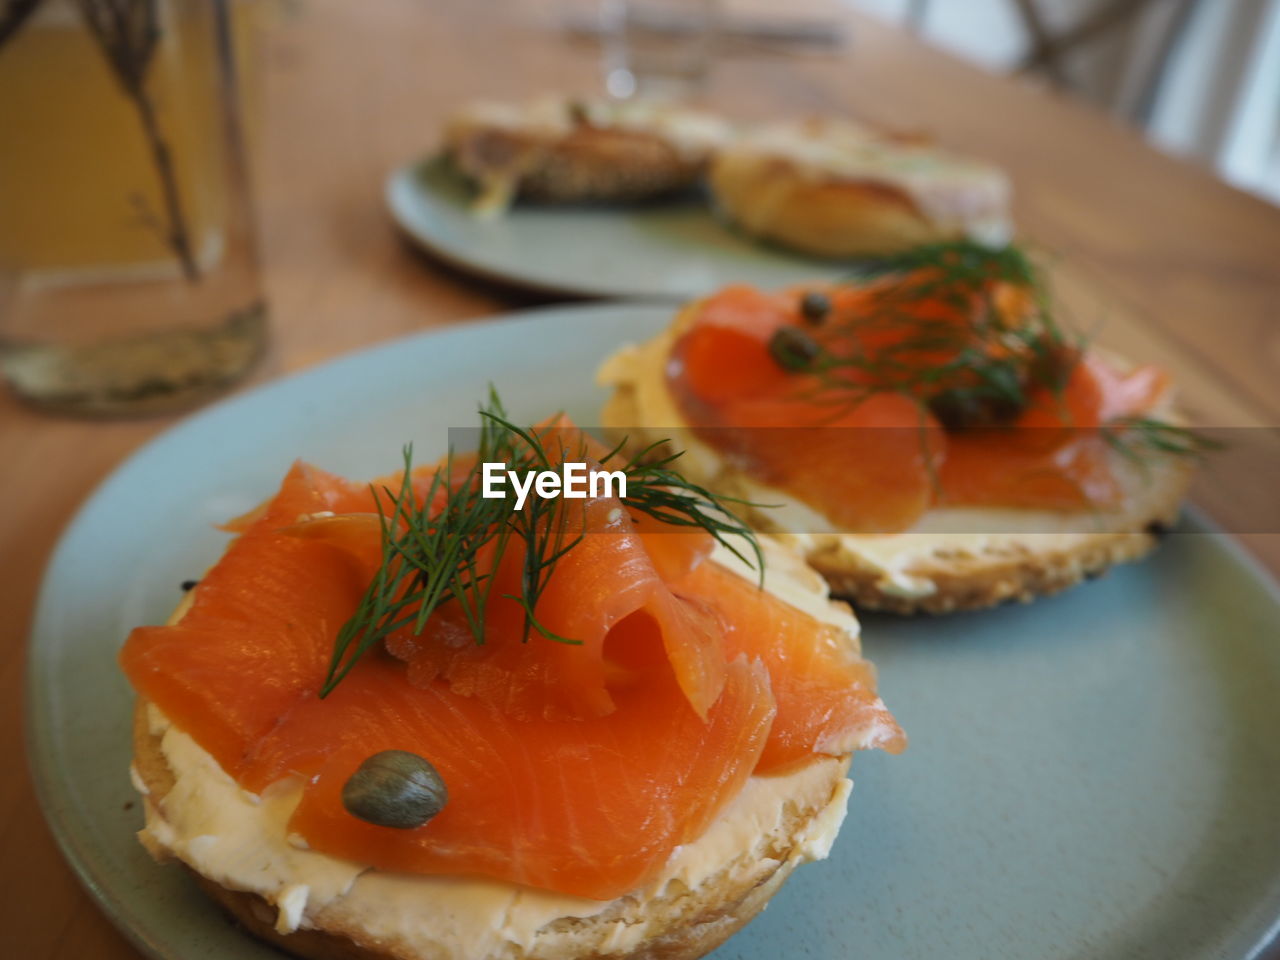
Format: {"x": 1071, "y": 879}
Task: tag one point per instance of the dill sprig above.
{"x": 1137, "y": 438}
{"x": 449, "y": 545}
{"x": 963, "y": 262}
{"x": 941, "y": 335}
{"x": 966, "y": 332}
{"x": 654, "y": 488}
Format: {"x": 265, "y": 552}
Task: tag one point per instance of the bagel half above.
{"x": 953, "y": 559}
{"x": 317, "y": 907}
{"x": 834, "y": 189}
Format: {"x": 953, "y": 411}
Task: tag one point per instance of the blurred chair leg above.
{"x": 1045, "y": 46}
{"x": 1106, "y": 18}
{"x": 917, "y": 13}
{"x": 1156, "y": 71}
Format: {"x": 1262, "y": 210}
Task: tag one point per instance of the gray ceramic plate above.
{"x": 670, "y": 250}
{"x": 1095, "y": 776}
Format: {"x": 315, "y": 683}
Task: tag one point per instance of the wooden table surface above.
{"x": 1180, "y": 269}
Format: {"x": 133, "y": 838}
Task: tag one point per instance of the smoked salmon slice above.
{"x": 572, "y": 767}
{"x": 825, "y": 692}
{"x": 877, "y": 462}
{"x": 589, "y": 809}
{"x": 606, "y": 577}
{"x": 1052, "y": 458}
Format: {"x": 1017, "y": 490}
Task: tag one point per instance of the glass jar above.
{"x": 128, "y": 268}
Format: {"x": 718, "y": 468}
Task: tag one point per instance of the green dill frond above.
{"x": 654, "y": 488}
{"x": 447, "y": 546}
{"x": 1138, "y": 438}
{"x": 957, "y": 262}
{"x": 933, "y": 329}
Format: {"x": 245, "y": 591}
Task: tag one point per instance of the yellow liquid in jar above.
{"x": 80, "y": 194}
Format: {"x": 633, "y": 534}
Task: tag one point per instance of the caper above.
{"x": 961, "y": 409}
{"x": 815, "y": 306}
{"x": 793, "y": 349}
{"x": 1053, "y": 365}
{"x": 395, "y": 788}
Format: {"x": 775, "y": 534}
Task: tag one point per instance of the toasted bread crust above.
{"x": 958, "y": 575}
{"x": 817, "y": 205}
{"x": 833, "y": 218}
{"x": 977, "y": 579}
{"x": 683, "y": 924}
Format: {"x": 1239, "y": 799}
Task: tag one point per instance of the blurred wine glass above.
{"x": 657, "y": 48}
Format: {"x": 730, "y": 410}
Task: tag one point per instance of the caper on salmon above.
{"x": 793, "y": 349}
{"x": 815, "y": 306}
{"x": 395, "y": 788}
